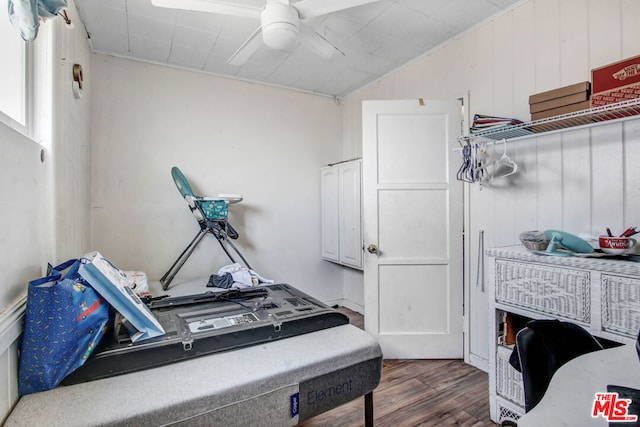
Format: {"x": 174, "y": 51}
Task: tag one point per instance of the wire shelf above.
{"x": 621, "y": 110}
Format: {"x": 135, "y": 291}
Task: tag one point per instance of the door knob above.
{"x": 373, "y": 249}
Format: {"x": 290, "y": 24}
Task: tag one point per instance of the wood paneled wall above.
{"x": 579, "y": 181}
{"x": 70, "y": 143}
{"x": 537, "y": 46}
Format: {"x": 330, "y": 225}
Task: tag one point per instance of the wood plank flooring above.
{"x": 418, "y": 393}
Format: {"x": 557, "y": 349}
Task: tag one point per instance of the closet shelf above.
{"x": 620, "y": 111}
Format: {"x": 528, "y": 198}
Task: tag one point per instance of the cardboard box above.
{"x": 616, "y": 82}
{"x": 560, "y": 92}
{"x": 559, "y": 102}
{"x": 565, "y": 109}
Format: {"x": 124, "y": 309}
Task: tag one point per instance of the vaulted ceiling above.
{"x": 375, "y": 38}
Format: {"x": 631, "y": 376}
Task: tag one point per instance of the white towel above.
{"x": 242, "y": 276}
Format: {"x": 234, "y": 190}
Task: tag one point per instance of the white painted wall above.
{"x": 21, "y": 178}
{"x": 70, "y": 148}
{"x": 44, "y": 207}
{"x": 579, "y": 181}
{"x": 21, "y": 242}
{"x": 227, "y": 136}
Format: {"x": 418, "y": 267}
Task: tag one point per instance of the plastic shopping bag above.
{"x": 64, "y": 321}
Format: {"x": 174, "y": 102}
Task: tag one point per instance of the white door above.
{"x": 413, "y": 216}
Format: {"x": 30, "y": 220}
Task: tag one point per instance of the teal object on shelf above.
{"x": 567, "y": 241}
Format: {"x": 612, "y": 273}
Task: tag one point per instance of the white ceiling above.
{"x": 376, "y": 39}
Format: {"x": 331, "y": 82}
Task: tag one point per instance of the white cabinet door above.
{"x": 349, "y": 208}
{"x": 342, "y": 213}
{"x": 330, "y": 213}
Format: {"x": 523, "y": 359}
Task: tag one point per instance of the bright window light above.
{"x": 13, "y": 72}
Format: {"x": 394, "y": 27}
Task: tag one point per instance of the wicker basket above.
{"x": 562, "y": 292}
{"x": 535, "y": 246}
{"x": 508, "y": 380}
{"x": 534, "y": 240}
{"x": 621, "y": 305}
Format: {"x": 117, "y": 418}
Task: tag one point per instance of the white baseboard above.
{"x": 352, "y": 306}
{"x": 11, "y": 323}
{"x": 478, "y": 362}
{"x": 11, "y": 326}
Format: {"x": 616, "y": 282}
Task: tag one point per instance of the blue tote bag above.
{"x": 64, "y": 321}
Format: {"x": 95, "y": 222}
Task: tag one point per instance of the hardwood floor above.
{"x": 418, "y": 393}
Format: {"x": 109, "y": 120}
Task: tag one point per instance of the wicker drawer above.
{"x": 507, "y": 413}
{"x": 621, "y": 305}
{"x": 560, "y": 292}
{"x": 508, "y": 380}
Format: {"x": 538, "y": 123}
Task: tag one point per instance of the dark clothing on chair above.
{"x": 224, "y": 281}
{"x": 541, "y": 348}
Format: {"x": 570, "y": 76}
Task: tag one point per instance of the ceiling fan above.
{"x": 281, "y": 22}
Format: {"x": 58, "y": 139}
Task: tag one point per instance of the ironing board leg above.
{"x": 177, "y": 265}
{"x": 368, "y": 409}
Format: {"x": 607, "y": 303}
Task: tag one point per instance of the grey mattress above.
{"x": 279, "y": 383}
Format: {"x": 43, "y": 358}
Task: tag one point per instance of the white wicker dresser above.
{"x": 602, "y": 295}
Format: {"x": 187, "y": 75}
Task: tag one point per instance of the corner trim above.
{"x": 11, "y": 323}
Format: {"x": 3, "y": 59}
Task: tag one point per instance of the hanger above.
{"x": 504, "y": 166}
{"x": 463, "y": 173}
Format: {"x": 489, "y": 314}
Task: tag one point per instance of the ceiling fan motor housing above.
{"x": 280, "y": 25}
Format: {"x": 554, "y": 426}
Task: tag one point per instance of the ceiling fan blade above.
{"x": 211, "y": 6}
{"x": 248, "y": 48}
{"x": 311, "y": 8}
{"x": 316, "y": 42}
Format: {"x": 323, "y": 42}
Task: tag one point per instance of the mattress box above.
{"x": 616, "y": 82}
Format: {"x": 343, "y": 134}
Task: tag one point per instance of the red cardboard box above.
{"x": 615, "y": 82}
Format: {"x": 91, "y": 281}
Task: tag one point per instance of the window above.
{"x": 13, "y": 75}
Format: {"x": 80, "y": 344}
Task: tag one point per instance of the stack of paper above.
{"x": 482, "y": 123}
